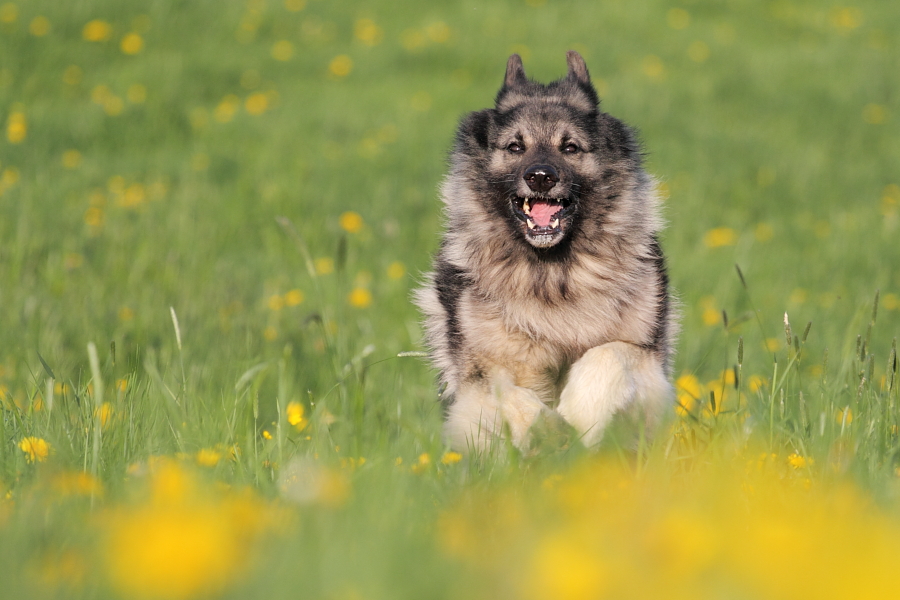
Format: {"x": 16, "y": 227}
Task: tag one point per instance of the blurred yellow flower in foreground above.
{"x": 39, "y": 26}
{"x": 720, "y": 236}
{"x": 563, "y": 570}
{"x": 36, "y": 449}
{"x": 181, "y": 541}
{"x": 283, "y": 50}
{"x": 451, "y": 458}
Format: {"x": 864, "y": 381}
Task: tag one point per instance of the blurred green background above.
{"x": 268, "y": 171}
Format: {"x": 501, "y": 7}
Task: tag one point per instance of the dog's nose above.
{"x": 541, "y": 178}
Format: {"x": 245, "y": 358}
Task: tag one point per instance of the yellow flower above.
{"x": 132, "y": 43}
{"x": 797, "y": 461}
{"x": 71, "y": 159}
{"x": 450, "y": 458}
{"x": 295, "y": 5}
{"x": 844, "y": 416}
{"x": 295, "y": 415}
{"x": 9, "y": 12}
{"x": 688, "y": 391}
{"x": 324, "y": 265}
{"x": 16, "y": 127}
{"x": 396, "y": 270}
{"x": 755, "y": 382}
{"x": 40, "y": 26}
{"x": 275, "y": 302}
{"x": 208, "y": 457}
{"x": 351, "y": 222}
{"x": 97, "y": 31}
{"x": 77, "y": 483}
{"x": 36, "y": 449}
{"x": 563, "y": 570}
{"x": 720, "y": 236}
{"x": 105, "y": 414}
{"x": 340, "y": 65}
{"x": 256, "y": 104}
{"x": 422, "y": 464}
{"x": 678, "y": 18}
{"x": 293, "y": 298}
{"x": 227, "y": 108}
{"x": 266, "y": 434}
{"x": 283, "y": 50}
{"x": 360, "y": 298}
{"x": 366, "y": 31}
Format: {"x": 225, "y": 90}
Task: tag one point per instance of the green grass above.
{"x": 144, "y": 186}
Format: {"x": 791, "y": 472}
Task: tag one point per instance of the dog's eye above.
{"x": 515, "y": 148}
{"x": 570, "y": 148}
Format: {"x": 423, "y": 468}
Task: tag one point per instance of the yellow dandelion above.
{"x": 890, "y": 302}
{"x": 121, "y": 385}
{"x": 422, "y": 464}
{"x": 256, "y": 104}
{"x": 688, "y": 391}
{"x": 94, "y": 217}
{"x": 97, "y": 31}
{"x": 711, "y": 316}
{"x": 16, "y": 127}
{"x": 293, "y": 298}
{"x": 451, "y": 458}
{"x": 845, "y": 19}
{"x": 136, "y": 93}
{"x": 105, "y": 413}
{"x": 208, "y": 457}
{"x": 275, "y": 302}
{"x": 283, "y": 50}
{"x": 412, "y": 39}
{"x": 875, "y": 114}
{"x": 720, "y": 236}
{"x": 360, "y": 298}
{"x": 844, "y": 415}
{"x": 132, "y": 43}
{"x": 563, "y": 570}
{"x": 9, "y": 12}
{"x": 366, "y": 31}
{"x": 71, "y": 159}
{"x": 772, "y": 344}
{"x": 226, "y": 109}
{"x": 324, "y": 265}
{"x": 39, "y": 26}
{"x": 266, "y": 434}
{"x": 133, "y": 196}
{"x": 36, "y": 449}
{"x": 126, "y": 314}
{"x": 351, "y": 222}
{"x": 756, "y": 383}
{"x": 438, "y": 32}
{"x": 340, "y": 65}
{"x": 653, "y": 67}
{"x": 396, "y": 270}
{"x": 296, "y": 415}
{"x": 798, "y": 461}
{"x": 72, "y": 75}
{"x": 295, "y": 5}
{"x": 678, "y": 18}
{"x": 698, "y": 51}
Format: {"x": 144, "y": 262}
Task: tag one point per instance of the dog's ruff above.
{"x": 549, "y": 294}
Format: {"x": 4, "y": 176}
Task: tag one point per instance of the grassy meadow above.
{"x": 212, "y": 215}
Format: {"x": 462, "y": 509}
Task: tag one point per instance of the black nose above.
{"x": 541, "y": 178}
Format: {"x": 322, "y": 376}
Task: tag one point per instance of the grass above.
{"x": 212, "y": 218}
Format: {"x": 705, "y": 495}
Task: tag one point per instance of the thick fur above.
{"x": 578, "y": 321}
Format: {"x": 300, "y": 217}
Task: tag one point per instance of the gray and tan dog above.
{"x": 549, "y": 292}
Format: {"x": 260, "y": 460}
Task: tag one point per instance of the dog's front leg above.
{"x": 610, "y": 378}
{"x": 479, "y": 410}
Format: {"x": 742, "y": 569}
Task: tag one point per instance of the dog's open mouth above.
{"x": 545, "y": 219}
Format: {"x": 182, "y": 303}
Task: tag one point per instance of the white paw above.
{"x": 610, "y": 378}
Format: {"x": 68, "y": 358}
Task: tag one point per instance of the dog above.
{"x": 549, "y": 295}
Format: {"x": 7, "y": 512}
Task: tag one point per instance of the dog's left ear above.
{"x": 577, "y": 69}
{"x": 515, "y": 72}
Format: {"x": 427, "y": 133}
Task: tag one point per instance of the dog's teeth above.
{"x": 554, "y": 223}
{"x": 530, "y": 223}
{"x": 525, "y": 207}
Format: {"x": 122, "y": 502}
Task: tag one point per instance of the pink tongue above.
{"x": 542, "y": 212}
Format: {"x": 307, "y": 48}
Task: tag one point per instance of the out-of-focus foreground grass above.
{"x": 211, "y": 217}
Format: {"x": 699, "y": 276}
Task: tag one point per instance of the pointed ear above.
{"x": 515, "y": 72}
{"x": 577, "y": 69}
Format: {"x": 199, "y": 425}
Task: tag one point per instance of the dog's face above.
{"x": 548, "y": 159}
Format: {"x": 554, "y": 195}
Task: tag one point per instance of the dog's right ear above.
{"x": 474, "y": 130}
{"x": 515, "y": 72}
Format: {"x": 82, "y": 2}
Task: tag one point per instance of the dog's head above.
{"x": 546, "y": 159}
